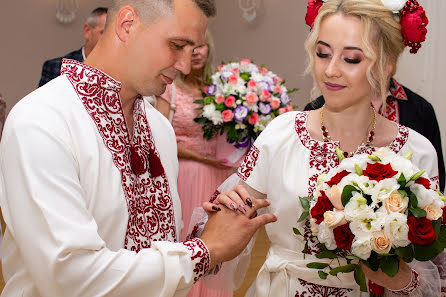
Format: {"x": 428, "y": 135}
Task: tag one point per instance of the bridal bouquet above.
{"x": 241, "y": 99}
{"x": 377, "y": 209}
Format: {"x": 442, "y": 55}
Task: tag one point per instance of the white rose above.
{"x": 433, "y": 212}
{"x": 326, "y": 236}
{"x": 380, "y": 242}
{"x": 383, "y": 189}
{"x": 334, "y": 219}
{"x": 424, "y": 196}
{"x": 396, "y": 229}
{"x": 396, "y": 202}
{"x": 361, "y": 248}
{"x": 357, "y": 208}
{"x": 394, "y": 5}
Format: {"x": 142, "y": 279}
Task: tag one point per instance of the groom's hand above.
{"x": 227, "y": 232}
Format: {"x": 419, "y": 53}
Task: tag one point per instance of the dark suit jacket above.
{"x": 51, "y": 68}
{"x": 417, "y": 114}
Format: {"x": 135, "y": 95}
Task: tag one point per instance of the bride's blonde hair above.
{"x": 382, "y": 40}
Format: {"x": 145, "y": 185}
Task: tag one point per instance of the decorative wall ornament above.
{"x": 249, "y": 9}
{"x": 66, "y": 10}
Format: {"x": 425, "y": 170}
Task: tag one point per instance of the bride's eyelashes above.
{"x": 348, "y": 60}
{"x": 321, "y": 55}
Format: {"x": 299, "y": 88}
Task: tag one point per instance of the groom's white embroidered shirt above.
{"x": 90, "y": 210}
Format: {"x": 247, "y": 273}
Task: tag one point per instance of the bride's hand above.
{"x": 398, "y": 282}
{"x": 238, "y": 199}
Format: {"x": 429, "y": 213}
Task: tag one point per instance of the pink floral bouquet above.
{"x": 375, "y": 209}
{"x": 240, "y": 100}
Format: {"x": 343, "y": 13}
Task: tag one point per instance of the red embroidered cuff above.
{"x": 412, "y": 286}
{"x": 200, "y": 257}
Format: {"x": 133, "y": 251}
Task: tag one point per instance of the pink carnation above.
{"x": 277, "y": 80}
{"x": 219, "y": 99}
{"x": 282, "y": 110}
{"x": 245, "y": 62}
{"x": 220, "y": 67}
{"x": 289, "y": 107}
{"x": 263, "y": 70}
{"x": 278, "y": 89}
{"x": 275, "y": 104}
{"x": 230, "y": 101}
{"x": 235, "y": 71}
{"x": 254, "y": 118}
{"x": 252, "y": 84}
{"x": 232, "y": 79}
{"x": 227, "y": 115}
{"x": 265, "y": 95}
{"x": 251, "y": 98}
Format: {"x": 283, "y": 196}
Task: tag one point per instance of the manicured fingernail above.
{"x": 216, "y": 208}
{"x": 242, "y": 208}
{"x": 233, "y": 206}
{"x": 249, "y": 202}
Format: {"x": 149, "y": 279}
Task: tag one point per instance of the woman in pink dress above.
{"x": 197, "y": 162}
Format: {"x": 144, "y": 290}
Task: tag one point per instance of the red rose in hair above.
{"x": 423, "y": 181}
{"x": 421, "y": 231}
{"x": 322, "y": 205}
{"x": 337, "y": 178}
{"x": 312, "y": 11}
{"x": 413, "y": 25}
{"x": 378, "y": 171}
{"x": 343, "y": 236}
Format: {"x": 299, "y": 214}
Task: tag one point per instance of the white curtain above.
{"x": 425, "y": 72}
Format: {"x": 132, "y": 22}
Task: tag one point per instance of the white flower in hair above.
{"x": 394, "y": 5}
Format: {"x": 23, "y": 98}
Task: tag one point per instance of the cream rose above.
{"x": 396, "y": 203}
{"x": 433, "y": 212}
{"x": 334, "y": 218}
{"x": 334, "y": 194}
{"x": 380, "y": 242}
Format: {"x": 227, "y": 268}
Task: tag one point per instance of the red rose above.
{"x": 444, "y": 215}
{"x": 423, "y": 181}
{"x": 322, "y": 205}
{"x": 343, "y": 236}
{"x": 413, "y": 25}
{"x": 421, "y": 231}
{"x": 378, "y": 171}
{"x": 312, "y": 11}
{"x": 337, "y": 178}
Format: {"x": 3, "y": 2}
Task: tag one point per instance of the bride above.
{"x": 353, "y": 49}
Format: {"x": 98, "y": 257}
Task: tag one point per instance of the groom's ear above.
{"x": 125, "y": 19}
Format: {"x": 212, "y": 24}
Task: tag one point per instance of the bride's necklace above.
{"x": 369, "y": 139}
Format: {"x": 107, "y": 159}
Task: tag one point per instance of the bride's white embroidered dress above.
{"x": 284, "y": 164}
{"x": 80, "y": 221}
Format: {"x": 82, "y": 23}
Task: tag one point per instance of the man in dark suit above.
{"x": 93, "y": 28}
{"x": 411, "y": 110}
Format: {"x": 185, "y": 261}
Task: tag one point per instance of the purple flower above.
{"x": 265, "y": 85}
{"x": 285, "y": 99}
{"x": 211, "y": 89}
{"x": 240, "y": 113}
{"x": 265, "y": 108}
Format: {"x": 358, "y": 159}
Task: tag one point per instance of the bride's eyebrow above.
{"x": 345, "y": 48}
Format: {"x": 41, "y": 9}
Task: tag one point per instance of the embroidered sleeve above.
{"x": 200, "y": 257}
{"x": 411, "y": 287}
{"x": 249, "y": 162}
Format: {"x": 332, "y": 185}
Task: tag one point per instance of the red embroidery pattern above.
{"x": 398, "y": 91}
{"x": 323, "y": 154}
{"x": 314, "y": 290}
{"x": 412, "y": 286}
{"x": 248, "y": 164}
{"x": 214, "y": 196}
{"x": 392, "y": 111}
{"x": 149, "y": 202}
{"x": 436, "y": 182}
{"x": 200, "y": 257}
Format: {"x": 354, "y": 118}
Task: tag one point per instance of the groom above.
{"x": 88, "y": 169}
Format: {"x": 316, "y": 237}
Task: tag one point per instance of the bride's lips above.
{"x": 333, "y": 87}
{"x": 166, "y": 79}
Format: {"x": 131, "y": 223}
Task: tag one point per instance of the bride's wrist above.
{"x": 411, "y": 286}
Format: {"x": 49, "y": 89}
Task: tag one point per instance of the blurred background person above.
{"x": 197, "y": 162}
{"x": 93, "y": 29}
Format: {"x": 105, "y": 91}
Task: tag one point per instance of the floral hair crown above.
{"x": 413, "y": 19}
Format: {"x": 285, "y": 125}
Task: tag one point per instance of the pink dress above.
{"x": 196, "y": 181}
